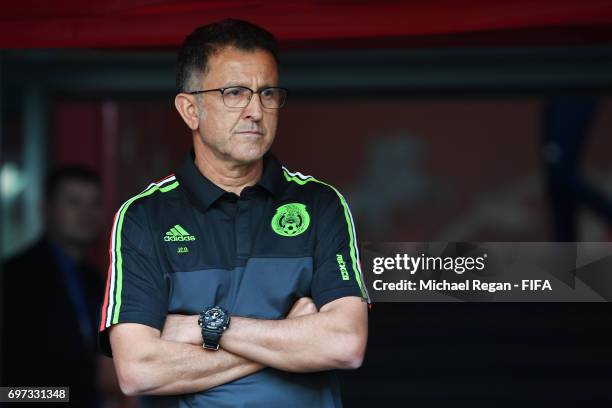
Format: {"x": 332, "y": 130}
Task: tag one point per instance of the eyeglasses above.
{"x": 271, "y": 97}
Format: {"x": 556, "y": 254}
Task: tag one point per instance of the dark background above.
{"x": 438, "y": 121}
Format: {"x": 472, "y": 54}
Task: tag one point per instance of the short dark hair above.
{"x": 204, "y": 41}
{"x": 69, "y": 173}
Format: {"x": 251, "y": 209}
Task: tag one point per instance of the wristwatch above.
{"x": 213, "y": 321}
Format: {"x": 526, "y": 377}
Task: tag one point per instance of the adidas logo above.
{"x": 178, "y": 233}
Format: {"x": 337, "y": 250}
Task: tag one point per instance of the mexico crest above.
{"x": 290, "y": 220}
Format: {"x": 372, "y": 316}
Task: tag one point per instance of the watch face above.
{"x": 214, "y": 318}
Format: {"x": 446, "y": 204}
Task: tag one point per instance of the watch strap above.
{"x": 211, "y": 339}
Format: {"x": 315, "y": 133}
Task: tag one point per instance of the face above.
{"x": 75, "y": 213}
{"x": 240, "y": 135}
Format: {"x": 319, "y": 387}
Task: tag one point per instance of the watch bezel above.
{"x": 218, "y": 324}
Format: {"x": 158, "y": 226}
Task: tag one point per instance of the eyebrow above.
{"x": 230, "y": 84}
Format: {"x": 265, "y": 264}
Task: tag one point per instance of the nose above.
{"x": 254, "y": 110}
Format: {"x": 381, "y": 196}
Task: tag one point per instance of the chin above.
{"x": 249, "y": 155}
{"x": 247, "y": 159}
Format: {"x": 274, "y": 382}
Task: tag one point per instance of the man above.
{"x": 234, "y": 282}
{"x": 51, "y": 296}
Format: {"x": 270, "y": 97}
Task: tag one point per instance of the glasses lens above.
{"x": 273, "y": 98}
{"x": 237, "y": 97}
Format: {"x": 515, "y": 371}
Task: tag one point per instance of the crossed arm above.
{"x": 173, "y": 361}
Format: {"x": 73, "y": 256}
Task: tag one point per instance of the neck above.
{"x": 74, "y": 251}
{"x": 230, "y": 176}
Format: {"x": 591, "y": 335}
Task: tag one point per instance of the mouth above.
{"x": 253, "y": 133}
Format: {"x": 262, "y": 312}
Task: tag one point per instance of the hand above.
{"x": 302, "y": 307}
{"x": 182, "y": 329}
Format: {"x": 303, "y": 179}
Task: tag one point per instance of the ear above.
{"x": 187, "y": 107}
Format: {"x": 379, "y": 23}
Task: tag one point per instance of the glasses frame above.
{"x": 222, "y": 91}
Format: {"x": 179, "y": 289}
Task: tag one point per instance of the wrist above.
{"x": 182, "y": 329}
{"x": 231, "y": 335}
{"x": 194, "y": 334}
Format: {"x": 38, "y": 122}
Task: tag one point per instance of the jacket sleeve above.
{"x": 337, "y": 270}
{"x": 136, "y": 290}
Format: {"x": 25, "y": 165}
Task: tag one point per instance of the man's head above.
{"x": 219, "y": 55}
{"x": 73, "y": 205}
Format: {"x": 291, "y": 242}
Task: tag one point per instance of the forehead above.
{"x": 71, "y": 187}
{"x": 233, "y": 65}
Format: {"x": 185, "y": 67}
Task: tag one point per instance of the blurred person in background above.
{"x": 51, "y": 297}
